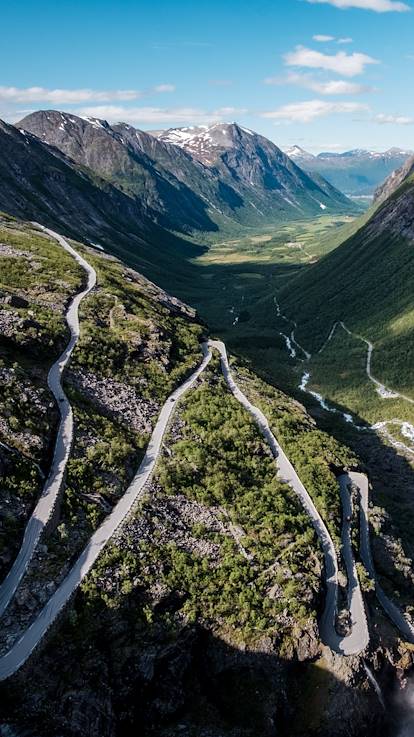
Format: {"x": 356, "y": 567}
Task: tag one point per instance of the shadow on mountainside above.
{"x": 391, "y": 479}
{"x": 105, "y": 674}
{"x": 256, "y": 341}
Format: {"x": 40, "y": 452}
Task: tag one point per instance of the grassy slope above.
{"x": 174, "y": 583}
{"x": 367, "y": 283}
{"x": 165, "y": 590}
{"x": 127, "y": 334}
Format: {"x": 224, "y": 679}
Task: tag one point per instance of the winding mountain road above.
{"x": 353, "y": 643}
{"x": 360, "y": 481}
{"x": 21, "y": 650}
{"x": 357, "y": 640}
{"x": 383, "y": 391}
{"x": 54, "y": 482}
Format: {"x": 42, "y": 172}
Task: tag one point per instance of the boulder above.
{"x": 15, "y": 301}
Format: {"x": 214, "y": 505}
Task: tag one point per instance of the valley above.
{"x": 245, "y": 545}
{"x": 173, "y": 528}
{"x": 207, "y": 369}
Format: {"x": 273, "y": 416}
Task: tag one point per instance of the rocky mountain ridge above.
{"x": 196, "y": 179}
{"x": 356, "y": 172}
{"x": 255, "y": 167}
{"x": 394, "y": 181}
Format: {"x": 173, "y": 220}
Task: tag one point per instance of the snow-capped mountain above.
{"x": 296, "y": 152}
{"x": 204, "y": 142}
{"x": 355, "y": 172}
{"x": 264, "y": 177}
{"x": 191, "y": 179}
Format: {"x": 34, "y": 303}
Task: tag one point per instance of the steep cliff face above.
{"x": 168, "y": 187}
{"x": 395, "y": 179}
{"x": 396, "y": 213}
{"x": 258, "y": 170}
{"x": 192, "y": 683}
{"x": 192, "y": 182}
{"x": 39, "y": 182}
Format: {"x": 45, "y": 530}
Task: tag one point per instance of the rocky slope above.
{"x": 136, "y": 342}
{"x": 201, "y": 616}
{"x": 262, "y": 175}
{"x": 357, "y": 172}
{"x": 39, "y": 182}
{"x": 170, "y": 185}
{"x": 131, "y": 193}
{"x": 394, "y": 181}
{"x": 178, "y": 177}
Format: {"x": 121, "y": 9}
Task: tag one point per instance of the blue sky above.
{"x": 325, "y": 74}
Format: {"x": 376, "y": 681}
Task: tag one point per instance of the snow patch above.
{"x": 246, "y": 130}
{"x": 95, "y": 122}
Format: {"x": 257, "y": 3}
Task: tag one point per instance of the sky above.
{"x": 327, "y": 75}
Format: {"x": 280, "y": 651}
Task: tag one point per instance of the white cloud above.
{"x": 156, "y": 115}
{"x": 379, "y": 6}
{"x": 226, "y": 111}
{"x": 321, "y": 38}
{"x": 164, "y": 88}
{"x": 75, "y": 97}
{"x": 61, "y": 96}
{"x": 306, "y": 112}
{"x": 384, "y": 119}
{"x": 329, "y": 87}
{"x": 350, "y": 65}
{"x": 338, "y": 87}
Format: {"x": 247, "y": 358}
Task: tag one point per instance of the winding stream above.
{"x": 360, "y": 481}
{"x": 406, "y": 428}
{"x": 353, "y": 643}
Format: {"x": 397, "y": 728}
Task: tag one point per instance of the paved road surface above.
{"x": 355, "y": 599}
{"x": 358, "y": 638}
{"x": 51, "y": 490}
{"x": 394, "y": 613}
{"x": 22, "y": 649}
{"x": 356, "y": 641}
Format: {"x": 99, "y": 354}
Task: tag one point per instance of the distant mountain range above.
{"x": 192, "y": 179}
{"x": 357, "y": 172}
{"x": 39, "y": 182}
{"x": 147, "y": 199}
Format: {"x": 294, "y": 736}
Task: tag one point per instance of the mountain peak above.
{"x": 206, "y": 142}
{"x": 188, "y": 178}
{"x": 297, "y": 152}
